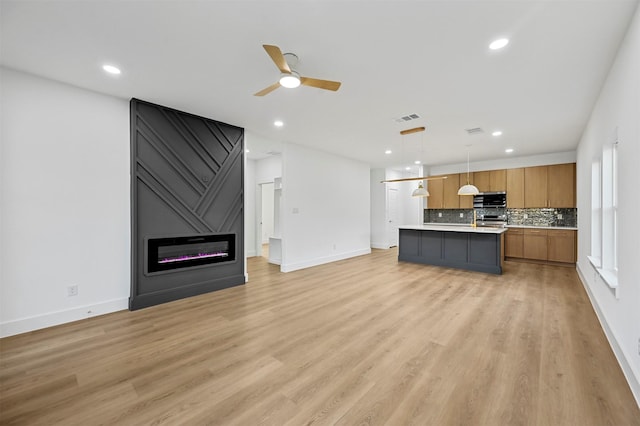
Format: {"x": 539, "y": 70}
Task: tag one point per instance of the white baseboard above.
{"x": 289, "y": 267}
{"x": 38, "y": 322}
{"x": 618, "y": 351}
{"x": 383, "y": 246}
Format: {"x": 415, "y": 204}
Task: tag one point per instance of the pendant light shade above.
{"x": 468, "y": 189}
{"x": 420, "y": 191}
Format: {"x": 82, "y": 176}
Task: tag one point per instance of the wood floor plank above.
{"x": 364, "y": 340}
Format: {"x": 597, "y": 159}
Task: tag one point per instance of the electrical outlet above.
{"x": 559, "y": 215}
{"x": 526, "y": 216}
{"x": 461, "y": 214}
{"x": 72, "y": 290}
{"x": 439, "y": 214}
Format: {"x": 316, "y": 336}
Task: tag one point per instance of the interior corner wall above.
{"x": 64, "y": 203}
{"x": 325, "y": 208}
{"x": 618, "y": 106}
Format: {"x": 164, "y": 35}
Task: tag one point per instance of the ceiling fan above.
{"x": 290, "y": 77}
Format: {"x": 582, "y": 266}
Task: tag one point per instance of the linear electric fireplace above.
{"x": 165, "y": 254}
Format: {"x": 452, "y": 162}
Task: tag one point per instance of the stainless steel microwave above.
{"x": 490, "y": 200}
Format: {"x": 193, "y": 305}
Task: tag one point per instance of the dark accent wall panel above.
{"x": 186, "y": 180}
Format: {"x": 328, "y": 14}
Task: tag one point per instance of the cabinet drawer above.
{"x": 536, "y": 232}
{"x": 515, "y": 231}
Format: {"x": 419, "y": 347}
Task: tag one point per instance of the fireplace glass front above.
{"x": 165, "y": 254}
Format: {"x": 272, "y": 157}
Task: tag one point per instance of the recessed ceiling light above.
{"x": 417, "y": 162}
{"x": 278, "y": 123}
{"x": 388, "y": 151}
{"x": 407, "y": 168}
{"x": 508, "y": 150}
{"x": 111, "y": 69}
{"x": 499, "y": 43}
{"x": 497, "y": 133}
{"x": 246, "y": 150}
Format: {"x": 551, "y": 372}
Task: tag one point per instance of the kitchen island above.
{"x": 454, "y": 246}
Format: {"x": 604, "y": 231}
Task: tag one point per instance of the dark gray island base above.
{"x": 462, "y": 247}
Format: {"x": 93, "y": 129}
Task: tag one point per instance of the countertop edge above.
{"x": 455, "y": 228}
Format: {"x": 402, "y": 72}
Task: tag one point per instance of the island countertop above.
{"x": 455, "y": 228}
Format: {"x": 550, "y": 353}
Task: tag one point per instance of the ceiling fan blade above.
{"x": 267, "y": 90}
{"x": 320, "y": 84}
{"x": 277, "y": 57}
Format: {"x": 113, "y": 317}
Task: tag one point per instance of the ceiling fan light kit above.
{"x": 290, "y": 81}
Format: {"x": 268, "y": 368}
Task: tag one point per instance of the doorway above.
{"x": 266, "y": 222}
{"x": 392, "y": 217}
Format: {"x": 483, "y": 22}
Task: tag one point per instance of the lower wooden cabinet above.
{"x": 548, "y": 245}
{"x": 561, "y": 246}
{"x": 513, "y": 240}
{"x": 535, "y": 244}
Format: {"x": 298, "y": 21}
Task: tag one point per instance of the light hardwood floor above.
{"x": 362, "y": 341}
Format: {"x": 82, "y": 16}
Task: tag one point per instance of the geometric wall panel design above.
{"x": 186, "y": 181}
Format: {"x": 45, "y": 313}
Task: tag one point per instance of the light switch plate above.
{"x": 439, "y": 214}
{"x": 559, "y": 216}
{"x": 526, "y": 216}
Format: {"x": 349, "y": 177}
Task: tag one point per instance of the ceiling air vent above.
{"x": 405, "y": 118}
{"x": 474, "y": 131}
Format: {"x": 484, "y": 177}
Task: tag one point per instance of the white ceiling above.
{"x": 392, "y": 57}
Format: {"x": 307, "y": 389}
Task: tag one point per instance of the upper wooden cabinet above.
{"x": 443, "y": 193}
{"x": 515, "y": 188}
{"x": 498, "y": 180}
{"x": 526, "y": 187}
{"x": 535, "y": 187}
{"x": 490, "y": 180}
{"x": 451, "y": 197}
{"x": 561, "y": 185}
{"x": 550, "y": 186}
{"x": 436, "y": 193}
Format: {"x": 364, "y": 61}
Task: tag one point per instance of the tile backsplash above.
{"x": 532, "y": 217}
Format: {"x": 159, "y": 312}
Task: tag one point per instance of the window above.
{"x": 604, "y": 213}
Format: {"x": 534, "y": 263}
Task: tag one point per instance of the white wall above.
{"x": 326, "y": 208}
{"x": 378, "y": 216}
{"x": 267, "y": 169}
{"x": 64, "y": 203}
{"x": 618, "y": 106}
{"x": 250, "y": 198}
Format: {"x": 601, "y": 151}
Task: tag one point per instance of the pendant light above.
{"x": 420, "y": 191}
{"x": 468, "y": 189}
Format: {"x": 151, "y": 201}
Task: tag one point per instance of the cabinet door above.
{"x": 561, "y": 246}
{"x": 514, "y": 239}
{"x": 561, "y": 185}
{"x": 535, "y": 187}
{"x": 436, "y": 192}
{"x": 466, "y": 201}
{"x": 451, "y": 197}
{"x": 498, "y": 180}
{"x": 515, "y": 188}
{"x": 535, "y": 244}
{"x": 482, "y": 181}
